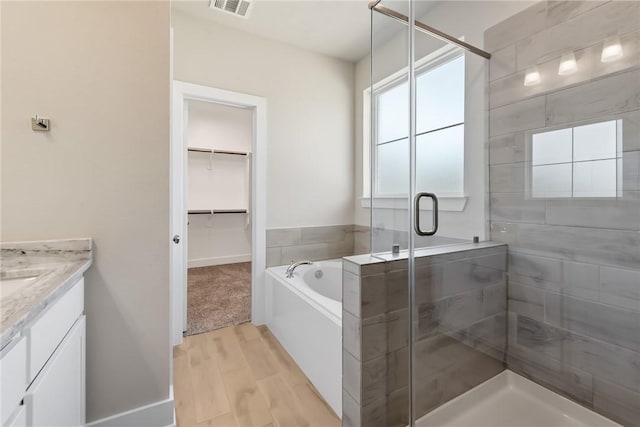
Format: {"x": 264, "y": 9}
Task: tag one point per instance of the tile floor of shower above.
{"x": 510, "y": 400}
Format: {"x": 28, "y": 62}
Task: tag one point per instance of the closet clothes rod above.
{"x": 215, "y": 212}
{"x": 206, "y": 150}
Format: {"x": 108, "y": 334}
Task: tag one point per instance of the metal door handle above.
{"x": 416, "y": 203}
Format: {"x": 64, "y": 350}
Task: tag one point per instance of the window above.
{"x": 440, "y": 94}
{"x": 576, "y": 162}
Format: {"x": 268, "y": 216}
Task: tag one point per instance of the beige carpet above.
{"x": 218, "y": 296}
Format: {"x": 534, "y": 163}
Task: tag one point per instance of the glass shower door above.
{"x": 445, "y": 316}
{"x": 456, "y": 281}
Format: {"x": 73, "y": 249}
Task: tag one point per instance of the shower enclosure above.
{"x": 446, "y": 297}
{"x": 505, "y": 211}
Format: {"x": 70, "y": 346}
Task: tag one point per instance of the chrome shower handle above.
{"x": 416, "y": 225}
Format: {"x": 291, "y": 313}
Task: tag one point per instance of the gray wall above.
{"x": 100, "y": 72}
{"x": 460, "y": 315}
{"x": 574, "y": 265}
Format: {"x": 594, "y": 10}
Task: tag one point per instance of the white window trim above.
{"x": 453, "y": 203}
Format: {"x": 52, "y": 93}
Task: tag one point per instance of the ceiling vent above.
{"x": 239, "y": 8}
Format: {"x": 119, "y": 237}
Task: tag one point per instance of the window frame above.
{"x": 618, "y": 159}
{"x": 451, "y": 201}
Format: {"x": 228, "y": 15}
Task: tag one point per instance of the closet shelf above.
{"x": 214, "y": 151}
{"x": 217, "y": 211}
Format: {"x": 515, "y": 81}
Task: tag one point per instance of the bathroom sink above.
{"x": 11, "y": 286}
{"x": 12, "y": 282}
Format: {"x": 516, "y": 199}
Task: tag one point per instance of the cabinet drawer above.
{"x": 47, "y": 332}
{"x": 13, "y": 378}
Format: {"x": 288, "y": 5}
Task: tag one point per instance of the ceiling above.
{"x": 338, "y": 28}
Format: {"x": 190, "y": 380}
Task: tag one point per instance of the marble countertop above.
{"x": 52, "y": 267}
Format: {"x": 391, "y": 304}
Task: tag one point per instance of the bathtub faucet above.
{"x": 293, "y": 266}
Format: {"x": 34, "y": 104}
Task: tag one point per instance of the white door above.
{"x": 183, "y": 92}
{"x": 178, "y": 213}
{"x": 57, "y": 396}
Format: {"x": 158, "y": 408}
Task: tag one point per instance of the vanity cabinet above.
{"x": 43, "y": 373}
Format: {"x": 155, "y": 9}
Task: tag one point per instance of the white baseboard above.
{"x": 206, "y": 262}
{"x": 157, "y": 414}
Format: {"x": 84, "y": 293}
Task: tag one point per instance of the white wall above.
{"x": 218, "y": 182}
{"x": 468, "y": 19}
{"x": 310, "y": 162}
{"x": 100, "y": 72}
{"x": 218, "y": 126}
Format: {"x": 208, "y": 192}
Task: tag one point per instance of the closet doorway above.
{"x": 217, "y": 204}
{"x": 219, "y": 216}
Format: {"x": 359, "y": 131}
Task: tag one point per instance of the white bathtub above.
{"x": 305, "y": 315}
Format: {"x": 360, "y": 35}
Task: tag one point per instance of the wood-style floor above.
{"x": 241, "y": 376}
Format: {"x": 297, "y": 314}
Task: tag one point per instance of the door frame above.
{"x": 182, "y": 92}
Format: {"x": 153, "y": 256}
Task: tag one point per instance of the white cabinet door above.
{"x": 20, "y": 420}
{"x": 46, "y": 333}
{"x": 57, "y": 396}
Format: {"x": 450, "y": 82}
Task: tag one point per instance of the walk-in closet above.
{"x": 219, "y": 140}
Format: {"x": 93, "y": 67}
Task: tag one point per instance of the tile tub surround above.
{"x": 460, "y": 321}
{"x": 337, "y": 241}
{"x": 59, "y": 264}
{"x": 574, "y": 265}
{"x": 314, "y": 243}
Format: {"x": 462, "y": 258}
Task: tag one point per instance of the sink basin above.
{"x": 11, "y": 286}
{"x": 14, "y": 281}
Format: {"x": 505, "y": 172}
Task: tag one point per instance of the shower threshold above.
{"x": 510, "y": 400}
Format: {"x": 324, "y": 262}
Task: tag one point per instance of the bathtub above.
{"x": 305, "y": 315}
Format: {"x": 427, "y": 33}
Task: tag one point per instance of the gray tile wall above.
{"x": 460, "y": 320}
{"x": 313, "y": 243}
{"x": 574, "y": 265}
